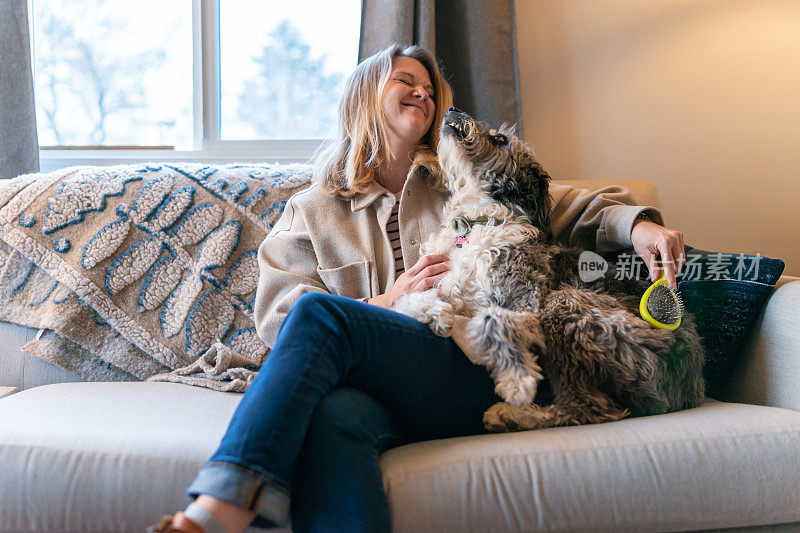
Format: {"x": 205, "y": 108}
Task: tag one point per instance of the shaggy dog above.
{"x": 529, "y": 312}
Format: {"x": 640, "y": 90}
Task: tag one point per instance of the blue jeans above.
{"x": 345, "y": 381}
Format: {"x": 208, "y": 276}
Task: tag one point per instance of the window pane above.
{"x": 283, "y": 65}
{"x": 113, "y": 72}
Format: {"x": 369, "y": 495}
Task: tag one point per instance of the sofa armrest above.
{"x": 643, "y": 192}
{"x": 24, "y": 370}
{"x": 768, "y": 371}
{"x": 783, "y": 280}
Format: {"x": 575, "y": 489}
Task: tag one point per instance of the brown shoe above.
{"x": 167, "y": 525}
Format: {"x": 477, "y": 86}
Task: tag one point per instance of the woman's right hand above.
{"x": 420, "y": 277}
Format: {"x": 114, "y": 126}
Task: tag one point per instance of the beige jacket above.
{"x": 326, "y": 244}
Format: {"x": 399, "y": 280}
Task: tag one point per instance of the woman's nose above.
{"x": 420, "y": 92}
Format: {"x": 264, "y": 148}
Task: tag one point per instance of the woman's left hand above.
{"x": 659, "y": 246}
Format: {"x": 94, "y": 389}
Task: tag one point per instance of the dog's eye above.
{"x": 499, "y": 139}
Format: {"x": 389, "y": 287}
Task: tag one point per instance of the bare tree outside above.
{"x": 116, "y": 72}
{"x": 293, "y": 95}
{"x": 96, "y": 72}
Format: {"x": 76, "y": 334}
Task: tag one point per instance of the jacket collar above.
{"x": 375, "y": 190}
{"x": 363, "y": 199}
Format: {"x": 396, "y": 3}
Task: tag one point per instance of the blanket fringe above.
{"x": 219, "y": 368}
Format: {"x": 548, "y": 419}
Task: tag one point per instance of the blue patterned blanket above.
{"x": 142, "y": 271}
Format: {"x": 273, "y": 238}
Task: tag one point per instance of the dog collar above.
{"x": 465, "y": 224}
{"x": 462, "y": 226}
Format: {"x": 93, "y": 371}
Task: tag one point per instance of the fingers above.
{"x": 429, "y": 276}
{"x": 425, "y": 261}
{"x": 425, "y": 273}
{"x": 667, "y": 263}
{"x": 669, "y": 246}
{"x": 662, "y": 250}
{"x": 679, "y": 253}
{"x": 427, "y": 283}
{"x": 651, "y": 260}
{"x": 433, "y": 270}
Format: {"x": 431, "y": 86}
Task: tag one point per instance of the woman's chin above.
{"x": 418, "y": 127}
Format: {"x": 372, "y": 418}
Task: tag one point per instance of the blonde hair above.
{"x": 360, "y": 145}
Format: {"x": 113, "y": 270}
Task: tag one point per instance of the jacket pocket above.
{"x": 351, "y": 280}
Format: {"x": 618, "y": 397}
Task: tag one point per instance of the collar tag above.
{"x": 463, "y": 225}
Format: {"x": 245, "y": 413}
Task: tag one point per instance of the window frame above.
{"x": 208, "y": 147}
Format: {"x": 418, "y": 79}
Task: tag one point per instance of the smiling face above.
{"x": 408, "y": 102}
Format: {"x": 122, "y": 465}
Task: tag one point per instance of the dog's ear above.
{"x": 527, "y": 189}
{"x": 534, "y": 190}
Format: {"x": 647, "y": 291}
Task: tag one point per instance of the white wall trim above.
{"x": 277, "y": 151}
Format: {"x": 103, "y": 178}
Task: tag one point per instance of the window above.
{"x": 107, "y": 73}
{"x": 282, "y": 71}
{"x": 210, "y": 80}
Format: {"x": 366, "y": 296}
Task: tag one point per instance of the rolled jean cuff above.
{"x": 245, "y": 488}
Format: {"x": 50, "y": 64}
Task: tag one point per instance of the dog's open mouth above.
{"x": 456, "y": 123}
{"x": 457, "y": 128}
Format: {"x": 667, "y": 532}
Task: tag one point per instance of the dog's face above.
{"x": 497, "y": 165}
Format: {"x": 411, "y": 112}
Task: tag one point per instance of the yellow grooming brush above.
{"x": 661, "y": 306}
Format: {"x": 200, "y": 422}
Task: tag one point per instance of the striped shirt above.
{"x": 393, "y": 231}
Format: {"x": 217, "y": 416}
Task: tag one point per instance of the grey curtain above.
{"x": 19, "y": 143}
{"x": 475, "y": 41}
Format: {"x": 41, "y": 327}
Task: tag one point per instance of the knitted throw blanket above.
{"x": 142, "y": 272}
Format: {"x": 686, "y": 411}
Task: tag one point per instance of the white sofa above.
{"x": 108, "y": 457}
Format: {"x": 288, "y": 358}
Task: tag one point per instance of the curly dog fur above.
{"x": 529, "y": 311}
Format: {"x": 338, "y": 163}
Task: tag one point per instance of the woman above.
{"x": 347, "y": 377}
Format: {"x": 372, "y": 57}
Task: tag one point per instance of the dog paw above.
{"x": 499, "y": 418}
{"x": 414, "y": 305}
{"x": 515, "y": 388}
{"x": 425, "y": 307}
{"x": 504, "y": 417}
{"x": 442, "y": 320}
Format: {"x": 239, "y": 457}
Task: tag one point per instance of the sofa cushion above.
{"x": 725, "y": 292}
{"x": 104, "y": 456}
{"x": 116, "y": 456}
{"x": 719, "y": 465}
{"x": 703, "y": 265}
{"x": 724, "y": 312}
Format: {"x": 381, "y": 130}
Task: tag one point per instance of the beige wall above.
{"x": 700, "y": 96}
